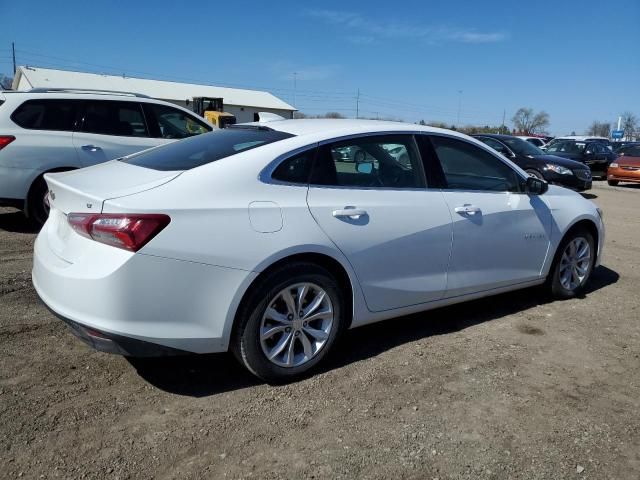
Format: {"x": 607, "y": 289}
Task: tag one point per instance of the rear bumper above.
{"x": 15, "y": 182}
{"x": 133, "y": 300}
{"x": 117, "y": 344}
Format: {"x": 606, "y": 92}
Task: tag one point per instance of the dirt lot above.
{"x": 506, "y": 387}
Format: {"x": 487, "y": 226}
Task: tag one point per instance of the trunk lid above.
{"x": 85, "y": 191}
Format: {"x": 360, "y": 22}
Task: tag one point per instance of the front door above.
{"x": 501, "y": 235}
{"x": 395, "y": 232}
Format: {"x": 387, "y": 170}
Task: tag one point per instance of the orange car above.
{"x": 625, "y": 168}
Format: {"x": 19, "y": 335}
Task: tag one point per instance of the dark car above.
{"x": 535, "y": 162}
{"x": 594, "y": 153}
{"x": 619, "y": 146}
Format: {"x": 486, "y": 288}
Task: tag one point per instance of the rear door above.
{"x": 393, "y": 229}
{"x": 111, "y": 129}
{"x": 500, "y": 234}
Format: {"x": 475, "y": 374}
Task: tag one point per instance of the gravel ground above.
{"x": 506, "y": 387}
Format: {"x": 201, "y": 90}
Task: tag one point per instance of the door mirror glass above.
{"x": 536, "y": 186}
{"x": 365, "y": 167}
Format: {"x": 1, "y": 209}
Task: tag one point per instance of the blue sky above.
{"x": 577, "y": 60}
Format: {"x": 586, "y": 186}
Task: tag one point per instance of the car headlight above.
{"x": 558, "y": 169}
{"x": 614, "y": 165}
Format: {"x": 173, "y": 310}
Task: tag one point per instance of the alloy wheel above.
{"x": 575, "y": 263}
{"x": 296, "y": 324}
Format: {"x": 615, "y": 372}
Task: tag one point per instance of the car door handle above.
{"x": 90, "y": 148}
{"x": 467, "y": 209}
{"x": 354, "y": 213}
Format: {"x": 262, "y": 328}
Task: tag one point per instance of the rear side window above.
{"x": 295, "y": 169}
{"x": 202, "y": 149}
{"x": 59, "y": 115}
{"x": 124, "y": 119}
{"x": 167, "y": 122}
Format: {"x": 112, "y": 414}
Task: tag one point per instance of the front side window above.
{"x": 59, "y": 115}
{"x": 389, "y": 161}
{"x": 497, "y": 146}
{"x": 173, "y": 123}
{"x": 467, "y": 167}
{"x": 124, "y": 119}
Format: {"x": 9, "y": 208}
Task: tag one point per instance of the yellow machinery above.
{"x": 212, "y": 109}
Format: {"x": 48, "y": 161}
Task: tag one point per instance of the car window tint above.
{"x": 467, "y": 167}
{"x": 124, "y": 119}
{"x": 295, "y": 169}
{"x": 497, "y": 146}
{"x": 202, "y": 149}
{"x": 390, "y": 161}
{"x": 57, "y": 115}
{"x": 174, "y": 123}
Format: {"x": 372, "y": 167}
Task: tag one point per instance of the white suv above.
{"x": 55, "y": 130}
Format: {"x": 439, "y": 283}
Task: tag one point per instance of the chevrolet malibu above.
{"x": 258, "y": 239}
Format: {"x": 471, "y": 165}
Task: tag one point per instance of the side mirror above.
{"x": 536, "y": 186}
{"x": 365, "y": 167}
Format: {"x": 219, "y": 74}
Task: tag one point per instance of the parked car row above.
{"x": 554, "y": 169}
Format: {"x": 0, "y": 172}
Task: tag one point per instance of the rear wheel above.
{"x": 573, "y": 264}
{"x": 613, "y": 183}
{"x": 37, "y": 205}
{"x": 290, "y": 323}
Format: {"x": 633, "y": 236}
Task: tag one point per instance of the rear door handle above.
{"x": 90, "y": 148}
{"x": 468, "y": 209}
{"x": 354, "y": 213}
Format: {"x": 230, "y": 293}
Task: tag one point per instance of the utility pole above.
{"x": 13, "y": 51}
{"x": 295, "y": 87}
{"x": 459, "y": 107}
{"x": 504, "y": 113}
{"x": 358, "y": 104}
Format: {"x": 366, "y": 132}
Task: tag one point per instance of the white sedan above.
{"x": 258, "y": 240}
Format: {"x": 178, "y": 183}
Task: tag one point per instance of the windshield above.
{"x": 633, "y": 151}
{"x": 206, "y": 148}
{"x": 565, "y": 146}
{"x": 521, "y": 147}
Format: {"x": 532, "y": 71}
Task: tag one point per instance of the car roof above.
{"x": 581, "y": 138}
{"x": 345, "y": 127}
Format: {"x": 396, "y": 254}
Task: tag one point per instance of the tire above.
{"x": 535, "y": 173}
{"x": 561, "y": 285}
{"x": 304, "y": 345}
{"x": 37, "y": 209}
{"x": 613, "y": 183}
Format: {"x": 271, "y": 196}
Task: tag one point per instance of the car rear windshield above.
{"x": 206, "y": 148}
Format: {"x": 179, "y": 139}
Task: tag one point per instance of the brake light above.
{"x": 127, "y": 231}
{"x": 6, "y": 140}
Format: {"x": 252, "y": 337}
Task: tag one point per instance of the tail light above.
{"x": 127, "y": 231}
{"x": 6, "y": 140}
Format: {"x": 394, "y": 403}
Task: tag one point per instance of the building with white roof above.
{"x": 242, "y": 103}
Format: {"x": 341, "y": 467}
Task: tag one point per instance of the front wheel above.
{"x": 290, "y": 323}
{"x": 573, "y": 265}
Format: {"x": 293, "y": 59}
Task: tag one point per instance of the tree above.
{"x": 629, "y": 124}
{"x": 599, "y": 129}
{"x": 527, "y": 122}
